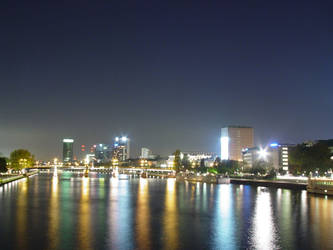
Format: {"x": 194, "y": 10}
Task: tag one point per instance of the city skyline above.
{"x": 167, "y": 75}
{"x": 166, "y": 124}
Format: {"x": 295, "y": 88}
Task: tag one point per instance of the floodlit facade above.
{"x": 67, "y": 152}
{"x": 103, "y": 152}
{"x": 121, "y": 148}
{"x": 281, "y": 153}
{"x": 145, "y": 153}
{"x": 197, "y": 156}
{"x": 194, "y": 157}
{"x": 233, "y": 140}
{"x": 277, "y": 154}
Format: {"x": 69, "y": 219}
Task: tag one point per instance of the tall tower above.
{"x": 121, "y": 148}
{"x": 67, "y": 152}
{"x": 233, "y": 140}
{"x": 145, "y": 153}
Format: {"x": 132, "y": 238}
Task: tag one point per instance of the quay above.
{"x": 17, "y": 177}
{"x": 270, "y": 183}
{"x": 213, "y": 179}
{"x": 320, "y": 186}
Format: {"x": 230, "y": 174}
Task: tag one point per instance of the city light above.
{"x": 124, "y": 139}
{"x": 274, "y": 144}
{"x": 263, "y": 153}
{"x": 68, "y": 140}
{"x": 224, "y": 148}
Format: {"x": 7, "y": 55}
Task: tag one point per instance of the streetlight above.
{"x": 263, "y": 153}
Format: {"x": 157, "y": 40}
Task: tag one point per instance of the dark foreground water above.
{"x": 71, "y": 212}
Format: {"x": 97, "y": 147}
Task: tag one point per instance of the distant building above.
{"x": 233, "y": 140}
{"x": 250, "y": 155}
{"x": 103, "y": 153}
{"x": 67, "y": 153}
{"x": 193, "y": 158}
{"x": 121, "y": 148}
{"x": 89, "y": 158}
{"x": 197, "y": 156}
{"x": 87, "y": 149}
{"x": 277, "y": 154}
{"x": 145, "y": 153}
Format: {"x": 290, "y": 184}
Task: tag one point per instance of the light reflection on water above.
{"x": 84, "y": 229}
{"x": 224, "y": 234}
{"x": 143, "y": 216}
{"x": 263, "y": 231}
{"x": 120, "y": 216}
{"x": 170, "y": 220}
{"x": 100, "y": 212}
{"x": 21, "y": 215}
{"x": 53, "y": 231}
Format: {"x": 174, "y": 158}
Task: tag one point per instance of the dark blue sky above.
{"x": 167, "y": 74}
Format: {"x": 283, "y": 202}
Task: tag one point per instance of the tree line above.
{"x": 18, "y": 160}
{"x": 304, "y": 159}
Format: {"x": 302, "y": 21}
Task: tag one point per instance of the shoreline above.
{"x": 15, "y": 178}
{"x": 270, "y": 183}
{"x": 253, "y": 182}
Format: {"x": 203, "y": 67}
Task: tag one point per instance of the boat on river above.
{"x": 320, "y": 186}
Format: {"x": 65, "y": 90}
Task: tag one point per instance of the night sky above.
{"x": 167, "y": 74}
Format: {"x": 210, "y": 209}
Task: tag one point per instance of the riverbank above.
{"x": 204, "y": 178}
{"x": 270, "y": 183}
{"x": 17, "y": 177}
{"x": 253, "y": 182}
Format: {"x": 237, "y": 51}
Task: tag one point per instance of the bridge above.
{"x": 122, "y": 170}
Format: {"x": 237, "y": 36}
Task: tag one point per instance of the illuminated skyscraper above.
{"x": 103, "y": 152}
{"x": 145, "y": 153}
{"x": 275, "y": 153}
{"x": 121, "y": 148}
{"x": 233, "y": 140}
{"x": 67, "y": 152}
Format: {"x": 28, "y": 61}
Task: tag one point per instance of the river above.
{"x": 100, "y": 212}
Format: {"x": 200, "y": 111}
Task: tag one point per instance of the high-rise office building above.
{"x": 103, "y": 152}
{"x": 233, "y": 140}
{"x": 67, "y": 152}
{"x": 121, "y": 148}
{"x": 145, "y": 153}
{"x": 276, "y": 154}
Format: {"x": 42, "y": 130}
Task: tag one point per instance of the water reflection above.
{"x": 224, "y": 232}
{"x": 263, "y": 230}
{"x": 84, "y": 229}
{"x": 321, "y": 219}
{"x": 285, "y": 223}
{"x": 82, "y": 213}
{"x": 170, "y": 220}
{"x": 53, "y": 232}
{"x": 143, "y": 216}
{"x": 21, "y": 215}
{"x": 120, "y": 211}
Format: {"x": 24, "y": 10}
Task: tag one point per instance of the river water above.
{"x": 100, "y": 212}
